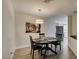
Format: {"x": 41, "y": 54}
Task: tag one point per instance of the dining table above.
{"x": 46, "y": 41}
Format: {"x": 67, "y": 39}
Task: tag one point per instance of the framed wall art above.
{"x": 32, "y": 28}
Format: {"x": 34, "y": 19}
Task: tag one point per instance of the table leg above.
{"x": 51, "y": 50}
{"x": 44, "y": 54}
{"x": 47, "y": 48}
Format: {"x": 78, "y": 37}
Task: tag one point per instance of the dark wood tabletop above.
{"x": 45, "y": 40}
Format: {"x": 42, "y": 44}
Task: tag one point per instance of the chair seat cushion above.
{"x": 56, "y": 43}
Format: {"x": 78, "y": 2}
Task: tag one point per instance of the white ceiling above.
{"x": 55, "y": 7}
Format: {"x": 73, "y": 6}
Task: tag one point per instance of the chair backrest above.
{"x": 31, "y": 41}
{"x": 41, "y": 35}
{"x": 59, "y": 37}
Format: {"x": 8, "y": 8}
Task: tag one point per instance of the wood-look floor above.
{"x": 65, "y": 53}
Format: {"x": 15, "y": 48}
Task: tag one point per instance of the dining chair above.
{"x": 41, "y": 35}
{"x": 34, "y": 47}
{"x": 56, "y": 43}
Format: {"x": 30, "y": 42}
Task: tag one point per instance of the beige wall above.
{"x": 69, "y": 25}
{"x": 72, "y": 22}
{"x": 8, "y": 33}
{"x": 72, "y": 30}
{"x": 22, "y": 38}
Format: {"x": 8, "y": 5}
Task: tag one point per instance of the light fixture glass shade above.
{"x": 39, "y": 21}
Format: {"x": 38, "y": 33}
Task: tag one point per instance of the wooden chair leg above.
{"x": 60, "y": 46}
{"x": 41, "y": 52}
{"x": 44, "y": 54}
{"x": 55, "y": 47}
{"x": 33, "y": 55}
{"x": 31, "y": 51}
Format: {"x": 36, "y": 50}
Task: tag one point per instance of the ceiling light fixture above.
{"x": 47, "y": 1}
{"x": 39, "y": 20}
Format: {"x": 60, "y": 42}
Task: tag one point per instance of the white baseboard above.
{"x": 12, "y": 53}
